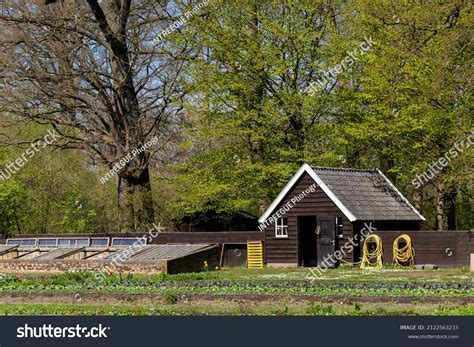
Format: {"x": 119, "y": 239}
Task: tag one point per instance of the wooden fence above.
{"x": 443, "y": 248}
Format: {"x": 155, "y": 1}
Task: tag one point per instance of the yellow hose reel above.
{"x": 372, "y": 258}
{"x": 405, "y": 255}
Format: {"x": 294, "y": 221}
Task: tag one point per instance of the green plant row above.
{"x": 172, "y": 309}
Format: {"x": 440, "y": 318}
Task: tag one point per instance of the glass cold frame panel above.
{"x": 100, "y": 242}
{"x": 47, "y": 242}
{"x": 73, "y": 242}
{"x": 123, "y": 241}
{"x": 63, "y": 242}
{"x": 21, "y": 242}
{"x": 82, "y": 242}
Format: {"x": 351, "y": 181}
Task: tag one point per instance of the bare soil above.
{"x": 119, "y": 298}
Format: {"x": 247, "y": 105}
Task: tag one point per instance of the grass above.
{"x": 350, "y": 274}
{"x": 237, "y": 291}
{"x": 265, "y": 309}
{"x": 342, "y": 274}
{"x": 345, "y": 281}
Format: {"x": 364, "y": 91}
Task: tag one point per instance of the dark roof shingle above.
{"x": 367, "y": 194}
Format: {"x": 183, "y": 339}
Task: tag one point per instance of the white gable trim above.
{"x": 283, "y": 193}
{"x": 401, "y": 195}
{"x": 308, "y": 169}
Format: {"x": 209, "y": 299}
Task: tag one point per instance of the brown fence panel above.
{"x": 232, "y": 237}
{"x": 464, "y": 248}
{"x": 442, "y": 248}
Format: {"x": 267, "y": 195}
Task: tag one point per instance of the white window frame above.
{"x": 281, "y": 229}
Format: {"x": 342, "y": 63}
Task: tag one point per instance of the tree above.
{"x": 412, "y": 101}
{"x": 53, "y": 191}
{"x": 400, "y": 105}
{"x": 93, "y": 72}
{"x": 252, "y": 120}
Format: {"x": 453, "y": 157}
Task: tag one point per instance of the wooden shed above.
{"x": 324, "y": 210}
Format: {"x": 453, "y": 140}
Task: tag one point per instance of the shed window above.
{"x": 281, "y": 227}
{"x": 339, "y": 228}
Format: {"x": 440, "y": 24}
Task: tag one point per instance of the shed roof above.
{"x": 359, "y": 194}
{"x": 368, "y": 194}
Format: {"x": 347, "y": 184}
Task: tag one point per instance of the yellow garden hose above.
{"x": 349, "y": 262}
{"x": 404, "y": 256}
{"x": 372, "y": 258}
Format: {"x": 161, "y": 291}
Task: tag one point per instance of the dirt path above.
{"x": 119, "y": 298}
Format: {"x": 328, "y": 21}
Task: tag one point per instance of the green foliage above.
{"x": 225, "y": 308}
{"x": 54, "y": 191}
{"x": 250, "y": 294}
{"x": 170, "y": 298}
{"x": 11, "y": 196}
{"x": 82, "y": 282}
{"x": 451, "y": 285}
{"x": 78, "y": 277}
{"x": 256, "y": 125}
{"x": 411, "y": 100}
{"x": 320, "y": 310}
{"x": 400, "y": 106}
{"x": 250, "y": 120}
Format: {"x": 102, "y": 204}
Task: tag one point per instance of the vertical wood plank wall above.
{"x": 442, "y": 248}
{"x": 285, "y": 251}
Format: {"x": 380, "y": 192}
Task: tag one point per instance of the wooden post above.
{"x": 472, "y": 262}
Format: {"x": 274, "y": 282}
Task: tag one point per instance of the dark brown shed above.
{"x": 321, "y": 210}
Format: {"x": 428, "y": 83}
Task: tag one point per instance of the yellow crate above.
{"x": 255, "y": 254}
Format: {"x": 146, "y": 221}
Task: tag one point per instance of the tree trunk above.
{"x": 134, "y": 190}
{"x": 440, "y": 208}
{"x": 135, "y": 202}
{"x": 125, "y": 207}
{"x": 143, "y": 199}
{"x": 450, "y": 203}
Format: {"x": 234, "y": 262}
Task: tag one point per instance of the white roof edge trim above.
{"x": 401, "y": 195}
{"x": 282, "y": 194}
{"x": 308, "y": 169}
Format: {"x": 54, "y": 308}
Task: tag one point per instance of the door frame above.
{"x": 298, "y": 232}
